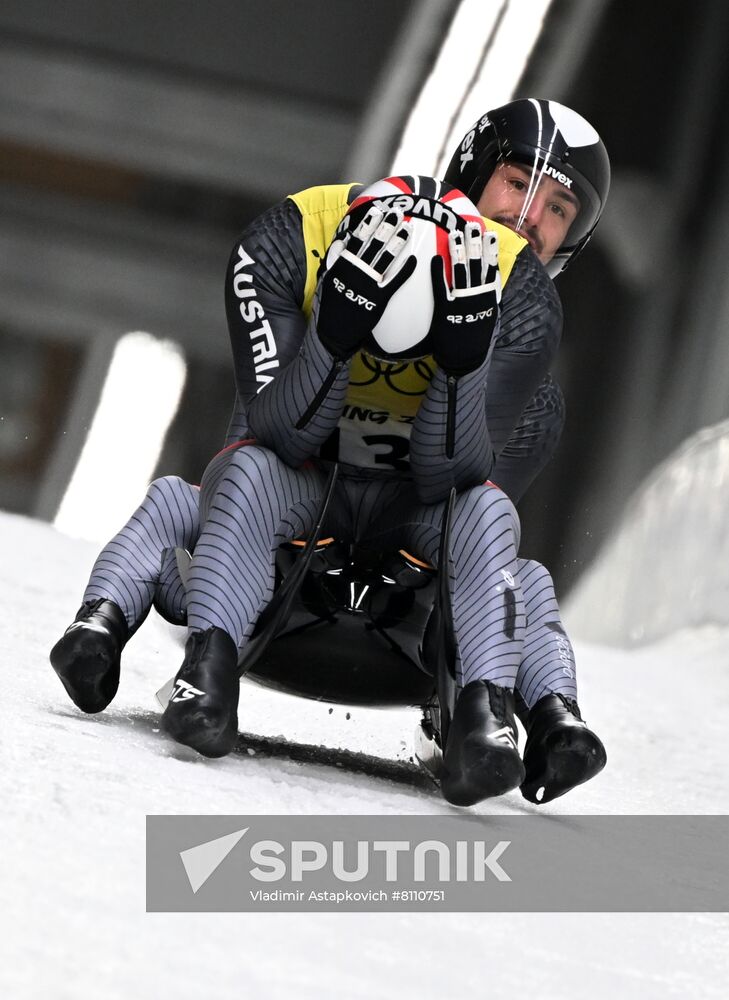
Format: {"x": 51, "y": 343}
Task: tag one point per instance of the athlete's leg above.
{"x": 560, "y": 751}
{"x": 480, "y": 758}
{"x": 548, "y": 663}
{"x": 128, "y": 569}
{"x": 170, "y": 595}
{"x": 488, "y": 608}
{"x": 251, "y": 503}
{"x": 131, "y": 572}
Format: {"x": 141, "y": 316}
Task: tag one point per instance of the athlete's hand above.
{"x": 354, "y": 292}
{"x": 464, "y": 318}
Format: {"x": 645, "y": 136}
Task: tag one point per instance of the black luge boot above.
{"x": 560, "y": 752}
{"x": 202, "y": 712}
{"x": 481, "y": 759}
{"x": 87, "y": 656}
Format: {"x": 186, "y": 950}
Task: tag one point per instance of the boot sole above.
{"x": 571, "y": 758}
{"x": 484, "y": 771}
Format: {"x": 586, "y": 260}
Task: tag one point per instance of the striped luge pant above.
{"x": 253, "y": 502}
{"x": 137, "y": 568}
{"x": 506, "y": 614}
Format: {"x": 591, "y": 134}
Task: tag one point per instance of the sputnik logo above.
{"x": 203, "y": 860}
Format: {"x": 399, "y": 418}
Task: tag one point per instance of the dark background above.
{"x": 137, "y": 139}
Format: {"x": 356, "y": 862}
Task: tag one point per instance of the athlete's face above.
{"x": 542, "y": 216}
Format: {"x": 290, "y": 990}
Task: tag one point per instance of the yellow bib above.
{"x": 382, "y": 398}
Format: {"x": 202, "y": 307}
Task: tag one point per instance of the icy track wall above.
{"x": 667, "y": 565}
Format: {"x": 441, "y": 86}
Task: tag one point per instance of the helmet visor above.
{"x": 542, "y": 200}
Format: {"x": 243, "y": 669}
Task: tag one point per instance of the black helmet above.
{"x": 550, "y": 140}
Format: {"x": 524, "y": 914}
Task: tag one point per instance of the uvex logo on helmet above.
{"x": 558, "y": 176}
{"x": 467, "y": 144}
{"x": 467, "y": 148}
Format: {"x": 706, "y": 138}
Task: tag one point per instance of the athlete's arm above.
{"x": 450, "y": 445}
{"x": 531, "y": 327}
{"x": 485, "y": 407}
{"x": 532, "y": 443}
{"x": 289, "y": 388}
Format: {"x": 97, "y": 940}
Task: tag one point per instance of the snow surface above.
{"x": 76, "y": 790}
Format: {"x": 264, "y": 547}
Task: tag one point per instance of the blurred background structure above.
{"x": 137, "y": 139}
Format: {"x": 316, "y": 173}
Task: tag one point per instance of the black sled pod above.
{"x": 349, "y": 626}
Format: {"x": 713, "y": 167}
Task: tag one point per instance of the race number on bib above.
{"x": 367, "y": 440}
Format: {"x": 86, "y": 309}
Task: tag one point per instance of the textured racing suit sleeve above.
{"x": 532, "y": 443}
{"x": 449, "y": 442}
{"x": 462, "y": 424}
{"x": 298, "y": 412}
{"x": 524, "y": 407}
{"x": 290, "y": 392}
